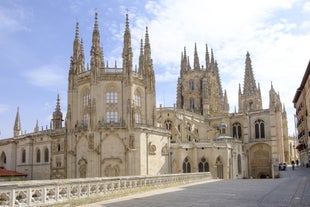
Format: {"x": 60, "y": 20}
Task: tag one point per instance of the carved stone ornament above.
{"x": 152, "y": 149}
{"x": 83, "y": 167}
{"x": 164, "y": 150}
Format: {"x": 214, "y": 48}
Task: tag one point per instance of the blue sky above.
{"x": 36, "y": 42}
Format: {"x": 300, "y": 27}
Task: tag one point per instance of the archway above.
{"x": 260, "y": 160}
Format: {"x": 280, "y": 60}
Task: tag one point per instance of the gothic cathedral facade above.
{"x": 113, "y": 128}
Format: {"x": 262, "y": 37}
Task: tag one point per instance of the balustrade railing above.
{"x": 49, "y": 192}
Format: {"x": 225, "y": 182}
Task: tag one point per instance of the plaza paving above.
{"x": 292, "y": 189}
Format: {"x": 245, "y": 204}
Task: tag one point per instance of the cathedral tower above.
{"x": 199, "y": 89}
{"x": 250, "y": 99}
{"x": 107, "y": 108}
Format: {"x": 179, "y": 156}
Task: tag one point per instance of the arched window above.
{"x": 2, "y": 159}
{"x": 85, "y": 99}
{"x": 168, "y": 124}
{"x": 85, "y": 119}
{"x": 58, "y": 147}
{"x": 259, "y": 129}
{"x": 191, "y": 85}
{"x": 186, "y": 166}
{"x": 111, "y": 97}
{"x": 203, "y": 165}
{"x": 112, "y": 116}
{"x": 137, "y": 100}
{"x": 23, "y": 155}
{"x": 137, "y": 117}
{"x": 239, "y": 164}
{"x": 38, "y": 155}
{"x": 192, "y": 103}
{"x": 237, "y": 133}
{"x": 46, "y": 155}
{"x": 188, "y": 135}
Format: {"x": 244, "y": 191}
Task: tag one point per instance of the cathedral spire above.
{"x": 147, "y": 48}
{"x": 212, "y": 57}
{"x": 141, "y": 70}
{"x": 127, "y": 50}
{"x": 217, "y": 73}
{"x": 196, "y": 59}
{"x": 57, "y": 115}
{"x": 96, "y": 51}
{"x": 249, "y": 85}
{"x": 207, "y": 57}
{"x": 251, "y": 98}
{"x": 17, "y": 125}
{"x": 148, "y": 63}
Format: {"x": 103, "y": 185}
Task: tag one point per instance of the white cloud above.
{"x": 14, "y": 18}
{"x": 265, "y": 28}
{"x": 4, "y": 108}
{"x": 47, "y": 76}
{"x": 306, "y": 7}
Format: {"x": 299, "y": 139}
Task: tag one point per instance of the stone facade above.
{"x": 302, "y": 105}
{"x": 206, "y": 137}
{"x": 112, "y": 126}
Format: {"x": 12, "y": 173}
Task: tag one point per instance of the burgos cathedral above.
{"x": 113, "y": 128}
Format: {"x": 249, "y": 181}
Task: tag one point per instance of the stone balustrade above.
{"x": 51, "y": 192}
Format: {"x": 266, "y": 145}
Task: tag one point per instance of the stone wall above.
{"x": 64, "y": 191}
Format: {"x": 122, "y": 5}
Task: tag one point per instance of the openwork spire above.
{"x": 196, "y": 59}
{"x": 250, "y": 99}
{"x": 127, "y": 50}
{"x": 249, "y": 85}
{"x": 207, "y": 57}
{"x": 77, "y": 31}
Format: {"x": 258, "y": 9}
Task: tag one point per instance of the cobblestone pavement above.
{"x": 292, "y": 189}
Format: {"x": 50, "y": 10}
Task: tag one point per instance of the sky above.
{"x": 36, "y": 42}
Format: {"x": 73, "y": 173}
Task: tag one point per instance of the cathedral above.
{"x": 113, "y": 128}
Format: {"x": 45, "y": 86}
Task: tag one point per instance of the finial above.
{"x": 147, "y": 40}
{"x": 96, "y": 21}
{"x": 77, "y": 31}
{"x": 141, "y": 47}
{"x": 127, "y": 22}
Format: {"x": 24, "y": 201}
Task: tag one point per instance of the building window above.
{"x": 85, "y": 120}
{"x": 203, "y": 165}
{"x": 168, "y": 124}
{"x": 2, "y": 159}
{"x": 58, "y": 147}
{"x": 138, "y": 117}
{"x": 137, "y": 100}
{"x": 186, "y": 166}
{"x": 112, "y": 97}
{"x": 23, "y": 155}
{"x": 112, "y": 116}
{"x": 237, "y": 130}
{"x": 85, "y": 99}
{"x": 46, "y": 155}
{"x": 259, "y": 129}
{"x": 38, "y": 155}
{"x": 192, "y": 103}
{"x": 239, "y": 164}
{"x": 191, "y": 85}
